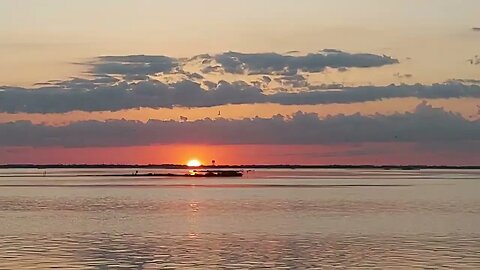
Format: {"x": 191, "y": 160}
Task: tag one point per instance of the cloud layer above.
{"x": 425, "y": 125}
{"x": 138, "y": 81}
{"x": 110, "y": 94}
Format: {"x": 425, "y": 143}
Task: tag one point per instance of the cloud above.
{"x": 135, "y": 81}
{"x": 475, "y": 60}
{"x": 212, "y": 69}
{"x": 273, "y": 63}
{"x": 133, "y": 65}
{"x": 296, "y": 81}
{"x": 425, "y": 124}
{"x": 465, "y": 81}
{"x": 109, "y": 94}
{"x": 372, "y": 93}
{"x": 403, "y": 76}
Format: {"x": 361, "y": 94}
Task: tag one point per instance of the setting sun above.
{"x": 194, "y": 163}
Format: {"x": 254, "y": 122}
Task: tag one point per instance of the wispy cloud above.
{"x": 403, "y": 76}
{"x": 132, "y": 65}
{"x": 474, "y": 60}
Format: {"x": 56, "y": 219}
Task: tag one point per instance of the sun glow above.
{"x": 194, "y": 163}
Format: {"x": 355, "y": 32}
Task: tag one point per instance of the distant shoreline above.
{"x": 176, "y": 166}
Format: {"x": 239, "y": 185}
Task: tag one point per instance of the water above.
{"x": 291, "y": 219}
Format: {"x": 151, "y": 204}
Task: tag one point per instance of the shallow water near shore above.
{"x": 365, "y": 219}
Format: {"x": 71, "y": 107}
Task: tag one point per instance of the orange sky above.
{"x": 432, "y": 42}
{"x": 369, "y": 153}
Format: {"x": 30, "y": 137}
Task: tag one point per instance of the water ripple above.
{"x": 150, "y": 251}
{"x": 102, "y": 204}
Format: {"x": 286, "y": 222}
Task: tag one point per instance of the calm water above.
{"x": 290, "y": 219}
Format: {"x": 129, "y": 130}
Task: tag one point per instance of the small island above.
{"x": 192, "y": 173}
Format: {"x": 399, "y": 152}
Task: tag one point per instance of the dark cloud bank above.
{"x": 96, "y": 95}
{"x": 273, "y": 63}
{"x": 425, "y": 125}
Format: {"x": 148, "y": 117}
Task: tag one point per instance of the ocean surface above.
{"x": 283, "y": 219}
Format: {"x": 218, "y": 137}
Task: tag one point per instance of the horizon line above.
{"x": 265, "y": 166}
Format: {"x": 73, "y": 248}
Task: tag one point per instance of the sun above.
{"x": 194, "y": 163}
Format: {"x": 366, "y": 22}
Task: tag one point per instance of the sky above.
{"x": 240, "y": 82}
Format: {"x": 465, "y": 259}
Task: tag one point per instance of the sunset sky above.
{"x": 241, "y": 82}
